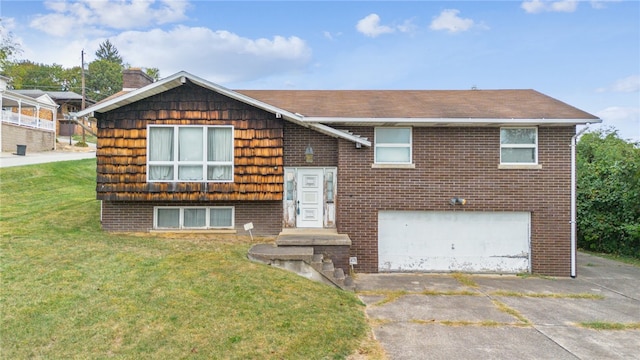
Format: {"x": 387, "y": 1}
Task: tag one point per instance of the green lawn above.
{"x": 69, "y": 290}
{"x": 88, "y": 138}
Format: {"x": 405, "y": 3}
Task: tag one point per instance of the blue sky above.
{"x": 585, "y": 53}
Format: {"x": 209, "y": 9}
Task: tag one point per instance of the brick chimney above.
{"x": 135, "y": 78}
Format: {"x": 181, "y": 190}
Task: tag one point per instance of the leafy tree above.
{"x": 608, "y": 196}
{"x": 103, "y": 79}
{"x": 8, "y": 46}
{"x": 29, "y": 75}
{"x": 154, "y": 73}
{"x": 72, "y": 80}
{"x": 108, "y": 52}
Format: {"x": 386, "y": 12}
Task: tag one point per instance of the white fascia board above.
{"x": 247, "y": 100}
{"x": 450, "y": 121}
{"x": 174, "y": 81}
{"x": 179, "y": 78}
{"x": 136, "y": 95}
{"x": 44, "y": 102}
{"x": 327, "y": 130}
{"x": 46, "y": 99}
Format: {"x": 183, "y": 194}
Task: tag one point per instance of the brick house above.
{"x": 473, "y": 180}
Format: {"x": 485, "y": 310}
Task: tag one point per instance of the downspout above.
{"x": 574, "y": 141}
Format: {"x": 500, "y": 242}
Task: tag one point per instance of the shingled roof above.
{"x": 318, "y": 109}
{"x": 427, "y": 104}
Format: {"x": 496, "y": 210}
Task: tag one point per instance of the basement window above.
{"x": 189, "y": 153}
{"x": 193, "y": 217}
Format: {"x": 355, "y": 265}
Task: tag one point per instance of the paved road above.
{"x": 491, "y": 317}
{"x": 10, "y": 159}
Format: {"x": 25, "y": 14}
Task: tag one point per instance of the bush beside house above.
{"x": 608, "y": 194}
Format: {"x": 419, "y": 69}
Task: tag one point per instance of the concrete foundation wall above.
{"x": 35, "y": 139}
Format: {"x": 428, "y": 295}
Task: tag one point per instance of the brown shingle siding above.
{"x": 121, "y": 153}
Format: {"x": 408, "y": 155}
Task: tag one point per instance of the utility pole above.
{"x": 84, "y": 140}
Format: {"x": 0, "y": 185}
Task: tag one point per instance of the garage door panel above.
{"x": 453, "y": 241}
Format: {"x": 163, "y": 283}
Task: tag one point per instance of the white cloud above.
{"x": 533, "y": 6}
{"x": 133, "y": 26}
{"x": 538, "y": 6}
{"x": 68, "y": 17}
{"x": 407, "y": 26}
{"x": 625, "y": 119}
{"x": 449, "y": 20}
{"x": 601, "y": 4}
{"x": 370, "y": 26}
{"x": 564, "y": 6}
{"x": 7, "y": 25}
{"x": 617, "y": 113}
{"x": 331, "y": 36}
{"x": 624, "y": 85}
{"x": 220, "y": 56}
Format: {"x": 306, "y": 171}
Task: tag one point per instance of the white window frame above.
{"x": 396, "y": 145}
{"x": 533, "y": 146}
{"x": 207, "y": 217}
{"x": 176, "y": 162}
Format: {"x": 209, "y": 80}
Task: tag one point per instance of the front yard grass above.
{"x": 69, "y": 290}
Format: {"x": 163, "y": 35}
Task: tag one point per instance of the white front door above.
{"x": 310, "y": 198}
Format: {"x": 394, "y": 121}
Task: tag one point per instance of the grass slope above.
{"x": 69, "y": 290}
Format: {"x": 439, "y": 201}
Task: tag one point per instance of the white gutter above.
{"x": 574, "y": 140}
{"x": 448, "y": 121}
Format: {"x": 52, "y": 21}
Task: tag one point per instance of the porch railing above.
{"x": 26, "y": 120}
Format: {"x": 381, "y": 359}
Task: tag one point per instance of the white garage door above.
{"x": 493, "y": 242}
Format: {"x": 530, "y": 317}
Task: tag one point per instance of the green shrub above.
{"x": 608, "y": 196}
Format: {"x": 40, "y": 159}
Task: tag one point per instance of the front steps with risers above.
{"x": 303, "y": 261}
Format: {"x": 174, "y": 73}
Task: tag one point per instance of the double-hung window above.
{"x": 194, "y": 217}
{"x": 519, "y": 146}
{"x": 393, "y": 145}
{"x": 190, "y": 153}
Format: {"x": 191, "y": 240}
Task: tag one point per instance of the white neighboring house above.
{"x": 26, "y": 120}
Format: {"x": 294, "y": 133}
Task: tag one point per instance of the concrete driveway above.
{"x": 456, "y": 316}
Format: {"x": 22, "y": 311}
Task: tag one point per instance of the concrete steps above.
{"x": 303, "y": 261}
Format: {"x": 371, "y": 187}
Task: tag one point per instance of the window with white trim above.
{"x": 189, "y": 153}
{"x": 519, "y": 145}
{"x": 393, "y": 145}
{"x": 193, "y": 217}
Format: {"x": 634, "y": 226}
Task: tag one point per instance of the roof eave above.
{"x": 449, "y": 121}
{"x": 44, "y": 101}
{"x": 157, "y": 87}
{"x": 179, "y": 78}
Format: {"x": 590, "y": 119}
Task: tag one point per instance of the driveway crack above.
{"x": 609, "y": 289}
